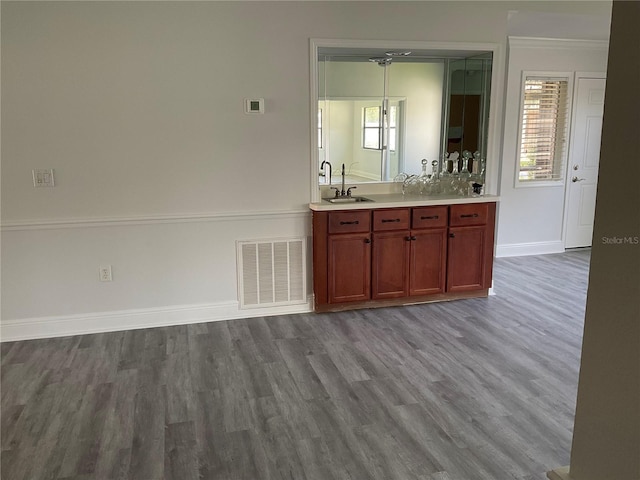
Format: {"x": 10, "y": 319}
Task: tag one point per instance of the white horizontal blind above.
{"x": 543, "y": 131}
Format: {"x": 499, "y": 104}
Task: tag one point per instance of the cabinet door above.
{"x": 466, "y": 259}
{"x": 349, "y": 267}
{"x": 428, "y": 261}
{"x": 390, "y": 264}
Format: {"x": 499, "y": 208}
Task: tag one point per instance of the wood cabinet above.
{"x": 371, "y": 257}
{"x": 390, "y": 259}
{"x": 428, "y": 261}
{"x": 470, "y": 246}
{"x": 410, "y": 259}
{"x": 347, "y": 246}
{"x": 390, "y": 265}
{"x": 349, "y": 265}
{"x": 428, "y": 250}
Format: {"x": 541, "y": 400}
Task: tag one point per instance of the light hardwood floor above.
{"x": 480, "y": 389}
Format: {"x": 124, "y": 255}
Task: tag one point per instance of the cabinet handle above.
{"x": 413, "y": 238}
{"x": 452, "y": 235}
{"x": 355, "y": 222}
{"x": 367, "y": 240}
{"x": 474, "y": 215}
{"x": 410, "y": 238}
{"x": 433, "y": 217}
{"x": 388, "y": 220}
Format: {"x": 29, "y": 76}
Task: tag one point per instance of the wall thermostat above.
{"x": 254, "y": 105}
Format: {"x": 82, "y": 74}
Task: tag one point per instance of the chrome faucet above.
{"x": 324, "y": 162}
{"x": 341, "y": 192}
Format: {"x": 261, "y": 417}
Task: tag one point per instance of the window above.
{"x": 372, "y": 127}
{"x": 392, "y": 128}
{"x": 319, "y": 128}
{"x": 543, "y": 129}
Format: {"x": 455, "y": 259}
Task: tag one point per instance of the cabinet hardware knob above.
{"x": 387, "y": 220}
{"x": 452, "y": 235}
{"x": 471, "y": 215}
{"x": 367, "y": 240}
{"x": 413, "y": 238}
{"x": 432, "y": 217}
{"x": 355, "y": 222}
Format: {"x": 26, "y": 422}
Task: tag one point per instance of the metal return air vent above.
{"x": 271, "y": 272}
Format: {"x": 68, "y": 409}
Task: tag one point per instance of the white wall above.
{"x": 138, "y": 106}
{"x": 339, "y": 130}
{"x": 531, "y": 217}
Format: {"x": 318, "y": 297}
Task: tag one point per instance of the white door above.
{"x": 584, "y": 156}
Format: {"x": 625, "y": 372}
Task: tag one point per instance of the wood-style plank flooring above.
{"x": 480, "y": 389}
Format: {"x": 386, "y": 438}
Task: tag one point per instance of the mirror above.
{"x": 381, "y": 112}
{"x": 468, "y": 106}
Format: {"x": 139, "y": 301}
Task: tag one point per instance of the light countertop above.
{"x": 392, "y": 200}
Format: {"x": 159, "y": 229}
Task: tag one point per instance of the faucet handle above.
{"x": 337, "y": 191}
{"x": 349, "y": 191}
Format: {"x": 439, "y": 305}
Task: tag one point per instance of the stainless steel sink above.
{"x": 347, "y": 199}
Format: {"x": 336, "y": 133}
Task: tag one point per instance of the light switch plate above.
{"x": 254, "y": 105}
{"x": 43, "y": 177}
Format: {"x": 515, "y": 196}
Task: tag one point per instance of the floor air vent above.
{"x": 271, "y": 272}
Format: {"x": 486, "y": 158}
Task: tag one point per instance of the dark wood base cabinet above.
{"x": 392, "y": 256}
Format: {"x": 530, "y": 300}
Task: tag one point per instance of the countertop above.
{"x": 392, "y": 200}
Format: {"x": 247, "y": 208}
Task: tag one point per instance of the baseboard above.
{"x": 99, "y": 322}
{"x": 535, "y": 248}
{"x": 559, "y": 474}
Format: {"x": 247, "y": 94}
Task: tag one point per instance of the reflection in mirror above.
{"x": 353, "y": 134}
{"x": 468, "y": 109}
{"x": 380, "y": 118}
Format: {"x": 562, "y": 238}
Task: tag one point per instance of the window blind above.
{"x": 543, "y": 129}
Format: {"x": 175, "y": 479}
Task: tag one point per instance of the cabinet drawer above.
{"x": 391, "y": 219}
{"x": 356, "y": 221}
{"x": 428, "y": 217}
{"x": 468, "y": 214}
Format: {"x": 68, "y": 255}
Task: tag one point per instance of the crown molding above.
{"x": 567, "y": 43}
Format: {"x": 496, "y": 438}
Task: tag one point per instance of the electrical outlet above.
{"x": 105, "y": 273}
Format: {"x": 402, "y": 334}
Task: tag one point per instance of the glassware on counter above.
{"x": 445, "y": 176}
{"x": 464, "y": 180}
{"x": 451, "y": 188}
{"x": 477, "y": 176}
{"x": 401, "y": 178}
{"x": 423, "y": 179}
{"x": 464, "y": 185}
{"x": 434, "y": 181}
{"x": 410, "y": 185}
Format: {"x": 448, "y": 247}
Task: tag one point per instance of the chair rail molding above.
{"x": 44, "y": 224}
